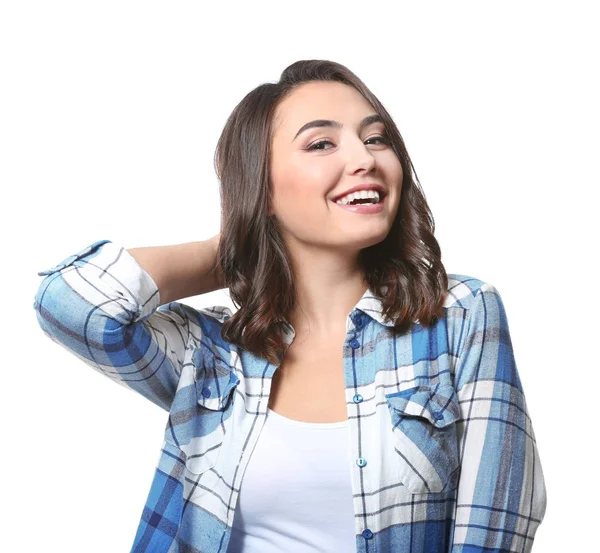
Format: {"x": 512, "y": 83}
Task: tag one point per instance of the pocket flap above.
{"x": 215, "y": 380}
{"x": 438, "y": 404}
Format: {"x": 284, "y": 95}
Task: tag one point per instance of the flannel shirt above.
{"x": 444, "y": 453}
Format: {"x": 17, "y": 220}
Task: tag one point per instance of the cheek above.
{"x": 392, "y": 167}
{"x": 313, "y": 177}
{"x": 399, "y": 173}
{"x": 303, "y": 184}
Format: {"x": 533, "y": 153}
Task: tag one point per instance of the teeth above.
{"x": 361, "y": 194}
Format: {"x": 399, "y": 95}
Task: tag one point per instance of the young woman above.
{"x": 360, "y": 398}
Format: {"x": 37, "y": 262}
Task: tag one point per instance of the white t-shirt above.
{"x": 296, "y": 494}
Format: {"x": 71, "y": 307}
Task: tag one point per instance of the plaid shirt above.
{"x": 444, "y": 453}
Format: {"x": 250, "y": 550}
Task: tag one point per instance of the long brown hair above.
{"x": 252, "y": 254}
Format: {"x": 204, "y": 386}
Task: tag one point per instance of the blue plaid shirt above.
{"x": 443, "y": 448}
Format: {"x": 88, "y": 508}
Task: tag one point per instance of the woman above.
{"x": 360, "y": 399}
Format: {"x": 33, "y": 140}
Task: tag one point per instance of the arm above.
{"x": 104, "y": 307}
{"x": 501, "y": 497}
{"x": 182, "y": 270}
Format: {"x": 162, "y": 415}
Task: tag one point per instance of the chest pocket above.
{"x": 425, "y": 437}
{"x": 198, "y": 423}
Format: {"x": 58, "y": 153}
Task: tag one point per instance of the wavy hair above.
{"x": 404, "y": 270}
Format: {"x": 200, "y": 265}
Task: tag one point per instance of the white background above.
{"x": 109, "y": 117}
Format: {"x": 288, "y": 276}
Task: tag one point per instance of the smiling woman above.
{"x": 302, "y": 146}
{"x": 361, "y": 398}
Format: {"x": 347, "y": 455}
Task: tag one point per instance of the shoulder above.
{"x": 206, "y": 318}
{"x": 205, "y": 330}
{"x": 203, "y": 325}
{"x": 463, "y": 291}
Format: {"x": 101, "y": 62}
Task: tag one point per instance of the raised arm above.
{"x": 104, "y": 306}
{"x": 182, "y": 270}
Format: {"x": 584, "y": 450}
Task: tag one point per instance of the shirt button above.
{"x": 438, "y": 415}
{"x": 354, "y": 343}
{"x": 357, "y": 398}
{"x": 206, "y": 392}
{"x": 367, "y": 534}
{"x": 361, "y": 461}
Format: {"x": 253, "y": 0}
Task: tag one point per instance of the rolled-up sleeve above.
{"x": 104, "y": 308}
{"x": 501, "y": 497}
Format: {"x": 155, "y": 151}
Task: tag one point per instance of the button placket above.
{"x": 361, "y": 462}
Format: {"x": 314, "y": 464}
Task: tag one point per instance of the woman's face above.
{"x": 309, "y": 169}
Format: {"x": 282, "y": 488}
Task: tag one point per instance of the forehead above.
{"x": 319, "y": 100}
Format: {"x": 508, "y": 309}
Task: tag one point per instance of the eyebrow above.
{"x": 369, "y": 120}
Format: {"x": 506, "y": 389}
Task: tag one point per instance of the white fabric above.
{"x": 296, "y": 494}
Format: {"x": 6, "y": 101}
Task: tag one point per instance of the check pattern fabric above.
{"x": 444, "y": 453}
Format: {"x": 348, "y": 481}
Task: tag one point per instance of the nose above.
{"x": 359, "y": 158}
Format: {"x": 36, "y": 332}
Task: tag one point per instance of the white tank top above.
{"x": 296, "y": 494}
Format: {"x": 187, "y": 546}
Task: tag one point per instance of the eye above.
{"x": 314, "y": 146}
{"x": 382, "y": 139}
